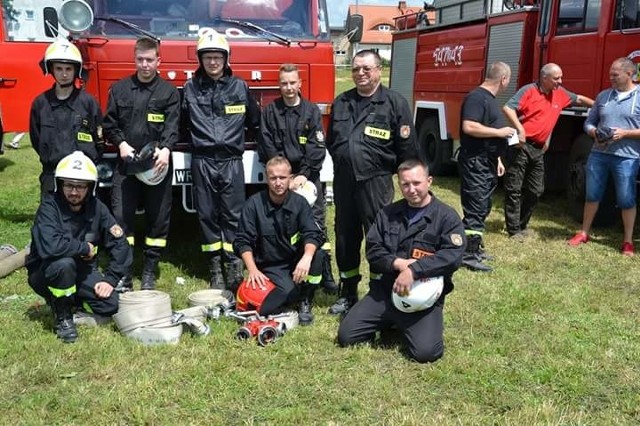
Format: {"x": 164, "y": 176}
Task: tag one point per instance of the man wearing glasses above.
{"x": 370, "y": 133}
{"x": 62, "y": 265}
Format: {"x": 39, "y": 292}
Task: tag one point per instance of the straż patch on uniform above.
{"x": 456, "y": 239}
{"x": 116, "y": 231}
{"x": 320, "y": 136}
{"x": 405, "y": 131}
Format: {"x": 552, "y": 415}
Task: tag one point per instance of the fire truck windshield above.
{"x": 274, "y": 20}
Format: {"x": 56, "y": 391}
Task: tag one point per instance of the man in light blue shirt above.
{"x": 614, "y": 123}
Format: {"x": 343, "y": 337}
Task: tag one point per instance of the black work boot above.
{"x": 472, "y": 258}
{"x": 484, "y": 256}
{"x": 215, "y": 269}
{"x": 328, "y": 283}
{"x": 348, "y": 296}
{"x": 149, "y": 274}
{"x": 64, "y": 326}
{"x": 305, "y": 316}
{"x": 234, "y": 274}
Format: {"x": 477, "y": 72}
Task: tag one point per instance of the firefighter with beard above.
{"x": 143, "y": 110}
{"x": 69, "y": 227}
{"x": 64, "y": 118}
{"x": 216, "y": 108}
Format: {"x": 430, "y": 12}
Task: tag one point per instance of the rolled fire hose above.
{"x": 209, "y": 298}
{"x": 147, "y": 316}
{"x": 12, "y": 262}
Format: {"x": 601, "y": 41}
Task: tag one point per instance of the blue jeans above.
{"x": 624, "y": 171}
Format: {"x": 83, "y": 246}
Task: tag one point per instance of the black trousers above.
{"x": 128, "y": 193}
{"x": 319, "y": 208}
{"x": 523, "y": 185}
{"x": 286, "y": 291}
{"x": 423, "y": 331}
{"x": 219, "y": 196}
{"x": 59, "y": 277}
{"x": 478, "y": 182}
{"x": 47, "y": 183}
{"x": 357, "y": 204}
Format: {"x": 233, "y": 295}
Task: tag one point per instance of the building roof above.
{"x": 375, "y": 16}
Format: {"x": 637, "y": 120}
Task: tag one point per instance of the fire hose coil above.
{"x": 209, "y": 297}
{"x": 11, "y": 259}
{"x": 147, "y": 316}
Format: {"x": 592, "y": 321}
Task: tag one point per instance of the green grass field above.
{"x": 549, "y": 338}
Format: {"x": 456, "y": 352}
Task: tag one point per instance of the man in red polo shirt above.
{"x": 534, "y": 111}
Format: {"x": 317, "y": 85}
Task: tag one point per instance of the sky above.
{"x": 338, "y": 8}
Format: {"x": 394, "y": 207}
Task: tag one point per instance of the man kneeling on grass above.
{"x": 278, "y": 240}
{"x": 69, "y": 226}
{"x": 413, "y": 248}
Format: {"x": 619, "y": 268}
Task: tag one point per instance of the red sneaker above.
{"x": 579, "y": 238}
{"x": 627, "y": 249}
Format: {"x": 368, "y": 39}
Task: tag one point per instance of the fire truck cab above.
{"x": 435, "y": 64}
{"x": 262, "y": 35}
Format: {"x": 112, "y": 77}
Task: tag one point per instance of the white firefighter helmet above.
{"x": 62, "y": 51}
{"x": 308, "y": 191}
{"x": 211, "y": 41}
{"x": 76, "y": 166}
{"x": 143, "y": 166}
{"x": 152, "y": 177}
{"x": 424, "y": 293}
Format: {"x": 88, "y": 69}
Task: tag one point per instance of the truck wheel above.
{"x": 608, "y": 213}
{"x": 435, "y": 152}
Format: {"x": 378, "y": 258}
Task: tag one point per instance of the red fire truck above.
{"x": 435, "y": 64}
{"x": 262, "y": 33}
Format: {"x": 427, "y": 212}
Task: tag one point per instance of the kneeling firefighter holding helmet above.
{"x": 70, "y": 225}
{"x": 413, "y": 247}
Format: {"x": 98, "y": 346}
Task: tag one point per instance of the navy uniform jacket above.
{"x": 139, "y": 113}
{"x": 375, "y": 142}
{"x": 276, "y": 234}
{"x": 296, "y": 133}
{"x": 217, "y": 112}
{"x": 59, "y": 127}
{"x": 436, "y": 240}
{"x": 58, "y": 233}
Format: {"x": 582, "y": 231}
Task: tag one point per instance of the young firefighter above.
{"x": 64, "y": 118}
{"x": 217, "y": 107}
{"x": 144, "y": 109}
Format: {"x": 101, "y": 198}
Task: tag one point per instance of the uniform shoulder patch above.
{"x": 320, "y": 136}
{"x": 405, "y": 131}
{"x": 456, "y": 239}
{"x": 116, "y": 231}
